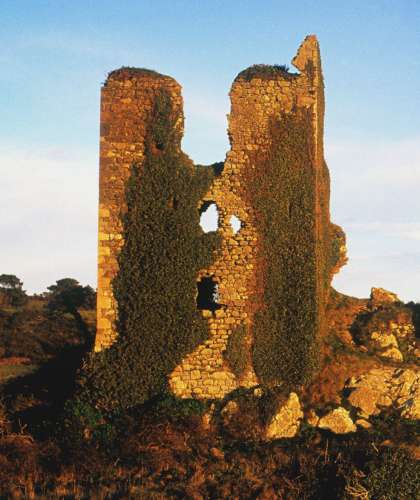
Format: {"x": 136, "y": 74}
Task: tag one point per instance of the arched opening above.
{"x": 208, "y": 294}
{"x": 209, "y": 216}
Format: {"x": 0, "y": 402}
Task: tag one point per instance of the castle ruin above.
{"x": 274, "y": 175}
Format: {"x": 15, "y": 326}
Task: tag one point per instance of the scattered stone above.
{"x": 361, "y": 422}
{"x": 258, "y": 392}
{"x": 370, "y": 391}
{"x": 286, "y": 421}
{"x": 392, "y": 353}
{"x": 338, "y": 421}
{"x": 229, "y": 410}
{"x": 411, "y": 408}
{"x": 386, "y": 386}
{"x": 387, "y": 329}
{"x": 389, "y": 345}
{"x": 384, "y": 339}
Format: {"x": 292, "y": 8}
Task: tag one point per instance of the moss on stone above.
{"x": 265, "y": 72}
{"x": 132, "y": 71}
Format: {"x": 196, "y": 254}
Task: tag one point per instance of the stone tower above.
{"x": 263, "y": 99}
{"x": 127, "y": 100}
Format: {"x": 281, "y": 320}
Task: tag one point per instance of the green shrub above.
{"x": 83, "y": 422}
{"x": 130, "y": 70}
{"x": 375, "y": 320}
{"x": 11, "y": 291}
{"x": 164, "y": 248}
{"x": 176, "y": 409}
{"x": 393, "y": 475}
{"x": 39, "y": 335}
{"x": 265, "y": 71}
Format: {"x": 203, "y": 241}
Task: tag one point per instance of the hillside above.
{"x": 173, "y": 448}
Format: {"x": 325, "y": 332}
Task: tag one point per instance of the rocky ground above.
{"x": 352, "y": 434}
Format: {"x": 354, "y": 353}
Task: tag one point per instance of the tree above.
{"x": 11, "y": 287}
{"x": 67, "y": 295}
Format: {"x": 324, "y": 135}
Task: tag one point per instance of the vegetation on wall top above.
{"x": 132, "y": 71}
{"x": 266, "y": 72}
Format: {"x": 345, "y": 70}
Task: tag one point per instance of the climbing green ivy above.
{"x": 281, "y": 188}
{"x": 164, "y": 248}
{"x": 236, "y": 353}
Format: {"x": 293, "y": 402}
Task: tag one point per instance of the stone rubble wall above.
{"x": 205, "y": 373}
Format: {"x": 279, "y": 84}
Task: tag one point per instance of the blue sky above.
{"x": 54, "y": 56}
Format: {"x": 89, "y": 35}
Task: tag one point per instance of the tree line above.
{"x": 66, "y": 295}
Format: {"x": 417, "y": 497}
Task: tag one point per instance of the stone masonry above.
{"x": 127, "y": 98}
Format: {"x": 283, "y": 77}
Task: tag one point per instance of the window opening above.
{"x": 235, "y": 223}
{"x": 208, "y": 294}
{"x": 209, "y": 217}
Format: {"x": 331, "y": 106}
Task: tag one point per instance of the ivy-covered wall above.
{"x": 127, "y": 101}
{"x": 282, "y": 191}
{"x": 272, "y": 274}
{"x": 155, "y": 288}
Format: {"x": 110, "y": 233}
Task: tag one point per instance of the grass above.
{"x": 266, "y": 72}
{"x": 158, "y": 456}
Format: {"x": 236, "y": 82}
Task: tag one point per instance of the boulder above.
{"x": 286, "y": 421}
{"x": 380, "y": 296}
{"x": 337, "y": 421}
{"x": 386, "y": 386}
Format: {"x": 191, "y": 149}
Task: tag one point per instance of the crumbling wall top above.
{"x": 307, "y": 52}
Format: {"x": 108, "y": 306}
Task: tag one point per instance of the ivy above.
{"x": 236, "y": 353}
{"x": 281, "y": 188}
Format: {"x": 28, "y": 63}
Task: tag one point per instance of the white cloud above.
{"x": 48, "y": 223}
{"x": 375, "y": 198}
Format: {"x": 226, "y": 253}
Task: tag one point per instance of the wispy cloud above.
{"x": 48, "y": 208}
{"x": 77, "y": 44}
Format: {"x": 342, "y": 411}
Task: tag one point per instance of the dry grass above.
{"x": 168, "y": 458}
{"x": 12, "y": 371}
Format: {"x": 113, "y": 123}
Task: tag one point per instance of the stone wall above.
{"x": 205, "y": 372}
{"x": 127, "y": 98}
